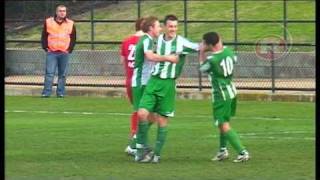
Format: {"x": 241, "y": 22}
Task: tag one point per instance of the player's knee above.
{"x": 163, "y": 121}
{"x": 143, "y": 114}
{"x": 225, "y": 127}
{"x": 152, "y": 117}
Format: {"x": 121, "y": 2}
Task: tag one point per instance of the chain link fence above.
{"x": 95, "y": 60}
{"x": 291, "y": 71}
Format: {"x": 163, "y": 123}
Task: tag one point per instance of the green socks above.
{"x": 142, "y": 137}
{"x": 233, "y": 137}
{"x": 148, "y": 127}
{"x": 223, "y": 141}
{"x": 133, "y": 142}
{"x": 142, "y": 132}
{"x": 161, "y": 138}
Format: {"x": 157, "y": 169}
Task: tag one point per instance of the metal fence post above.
{"x": 139, "y": 8}
{"x": 185, "y": 23}
{"x": 185, "y": 18}
{"x": 200, "y": 78}
{"x": 92, "y": 25}
{"x": 272, "y": 69}
{"x": 235, "y": 24}
{"x": 285, "y": 20}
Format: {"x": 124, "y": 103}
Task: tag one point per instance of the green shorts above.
{"x": 136, "y": 96}
{"x": 224, "y": 110}
{"x": 159, "y": 96}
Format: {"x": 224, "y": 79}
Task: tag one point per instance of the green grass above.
{"x": 197, "y": 10}
{"x": 57, "y": 145}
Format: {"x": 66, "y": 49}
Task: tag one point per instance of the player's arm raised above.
{"x": 190, "y": 47}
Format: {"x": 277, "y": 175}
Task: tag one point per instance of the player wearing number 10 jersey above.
{"x": 127, "y": 52}
{"x": 220, "y": 64}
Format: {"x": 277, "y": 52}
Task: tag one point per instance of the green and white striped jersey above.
{"x": 220, "y": 66}
{"x": 178, "y": 45}
{"x": 142, "y": 66}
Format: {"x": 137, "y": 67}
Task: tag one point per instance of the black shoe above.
{"x": 60, "y": 96}
{"x": 44, "y": 96}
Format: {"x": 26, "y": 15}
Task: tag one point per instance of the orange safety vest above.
{"x": 59, "y": 35}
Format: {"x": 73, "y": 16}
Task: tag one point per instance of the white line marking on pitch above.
{"x": 128, "y": 114}
{"x": 252, "y": 135}
{"x": 275, "y": 132}
{"x": 280, "y": 138}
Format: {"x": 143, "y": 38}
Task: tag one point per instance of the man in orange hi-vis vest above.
{"x": 58, "y": 40}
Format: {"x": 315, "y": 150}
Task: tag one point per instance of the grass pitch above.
{"x": 85, "y": 137}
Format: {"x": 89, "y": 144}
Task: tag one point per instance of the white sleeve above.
{"x": 189, "y": 44}
{"x": 147, "y": 45}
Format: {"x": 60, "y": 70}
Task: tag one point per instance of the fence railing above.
{"x": 282, "y": 65}
{"x": 48, "y": 8}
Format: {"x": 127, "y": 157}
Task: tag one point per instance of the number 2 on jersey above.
{"x": 130, "y": 57}
{"x": 131, "y": 48}
{"x": 227, "y": 66}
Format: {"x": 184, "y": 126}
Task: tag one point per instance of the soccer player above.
{"x": 159, "y": 94}
{"x": 145, "y": 57}
{"x": 127, "y": 53}
{"x": 220, "y": 65}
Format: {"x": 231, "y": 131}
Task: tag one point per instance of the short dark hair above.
{"x": 170, "y": 17}
{"x": 149, "y": 21}
{"x": 139, "y": 23}
{"x": 211, "y": 38}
